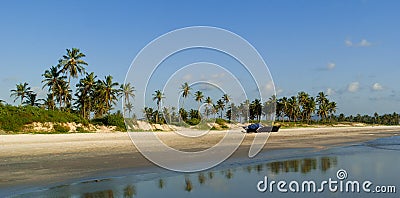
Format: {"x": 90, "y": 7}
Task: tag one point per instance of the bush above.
{"x": 115, "y": 119}
{"x": 220, "y": 121}
{"x": 81, "y": 130}
{"x": 58, "y": 128}
{"x": 193, "y": 121}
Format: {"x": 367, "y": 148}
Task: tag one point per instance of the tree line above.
{"x": 94, "y": 97}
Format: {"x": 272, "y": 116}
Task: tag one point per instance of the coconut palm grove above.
{"x": 93, "y": 99}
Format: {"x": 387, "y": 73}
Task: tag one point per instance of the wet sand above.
{"x": 29, "y": 160}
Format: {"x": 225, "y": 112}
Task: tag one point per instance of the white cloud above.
{"x": 269, "y": 86}
{"x": 330, "y": 91}
{"x": 364, "y": 43}
{"x": 348, "y": 43}
{"x": 331, "y": 66}
{"x": 377, "y": 87}
{"x": 353, "y": 87}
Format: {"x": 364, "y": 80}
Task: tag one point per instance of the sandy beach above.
{"x": 28, "y": 159}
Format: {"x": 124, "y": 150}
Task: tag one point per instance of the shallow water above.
{"x": 376, "y": 161}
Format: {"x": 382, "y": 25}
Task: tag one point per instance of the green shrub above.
{"x": 193, "y": 121}
{"x": 81, "y": 130}
{"x": 115, "y": 119}
{"x": 58, "y": 128}
{"x": 220, "y": 121}
{"x": 214, "y": 128}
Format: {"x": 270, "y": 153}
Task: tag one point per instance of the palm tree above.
{"x": 185, "y": 89}
{"x": 110, "y": 92}
{"x": 32, "y": 100}
{"x": 303, "y": 98}
{"x": 127, "y": 92}
{"x": 128, "y": 107}
{"x": 226, "y": 98}
{"x": 198, "y": 97}
{"x": 269, "y": 107}
{"x": 63, "y": 95}
{"x": 220, "y": 106}
{"x": 256, "y": 110}
{"x": 322, "y": 101}
{"x": 72, "y": 64}
{"x": 283, "y": 108}
{"x": 323, "y": 110}
{"x": 49, "y": 102}
{"x": 332, "y": 109}
{"x": 21, "y": 91}
{"x": 158, "y": 96}
{"x": 53, "y": 80}
{"x": 209, "y": 102}
{"x": 321, "y": 98}
{"x": 309, "y": 108}
{"x": 85, "y": 92}
{"x": 293, "y": 108}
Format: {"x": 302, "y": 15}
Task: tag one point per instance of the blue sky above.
{"x": 348, "y": 49}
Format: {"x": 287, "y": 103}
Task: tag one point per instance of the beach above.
{"x": 41, "y": 159}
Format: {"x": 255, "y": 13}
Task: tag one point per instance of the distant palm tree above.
{"x": 158, "y": 96}
{"x": 256, "y": 110}
{"x": 323, "y": 105}
{"x": 32, "y": 100}
{"x": 127, "y": 91}
{"x": 21, "y": 91}
{"x": 303, "y": 98}
{"x": 321, "y": 98}
{"x": 309, "y": 108}
{"x": 226, "y": 98}
{"x": 209, "y": 102}
{"x": 220, "y": 106}
{"x": 185, "y": 89}
{"x": 332, "y": 108}
{"x": 49, "y": 102}
{"x": 269, "y": 107}
{"x": 323, "y": 110}
{"x": 128, "y": 107}
{"x": 293, "y": 108}
{"x": 53, "y": 80}
{"x": 72, "y": 64}
{"x": 198, "y": 97}
{"x": 284, "y": 107}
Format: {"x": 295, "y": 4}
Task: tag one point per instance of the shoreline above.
{"x": 50, "y": 159}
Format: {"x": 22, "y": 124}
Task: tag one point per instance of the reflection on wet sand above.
{"x": 303, "y": 165}
{"x": 204, "y": 179}
{"x": 104, "y": 193}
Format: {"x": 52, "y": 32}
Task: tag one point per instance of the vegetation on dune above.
{"x": 14, "y": 118}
